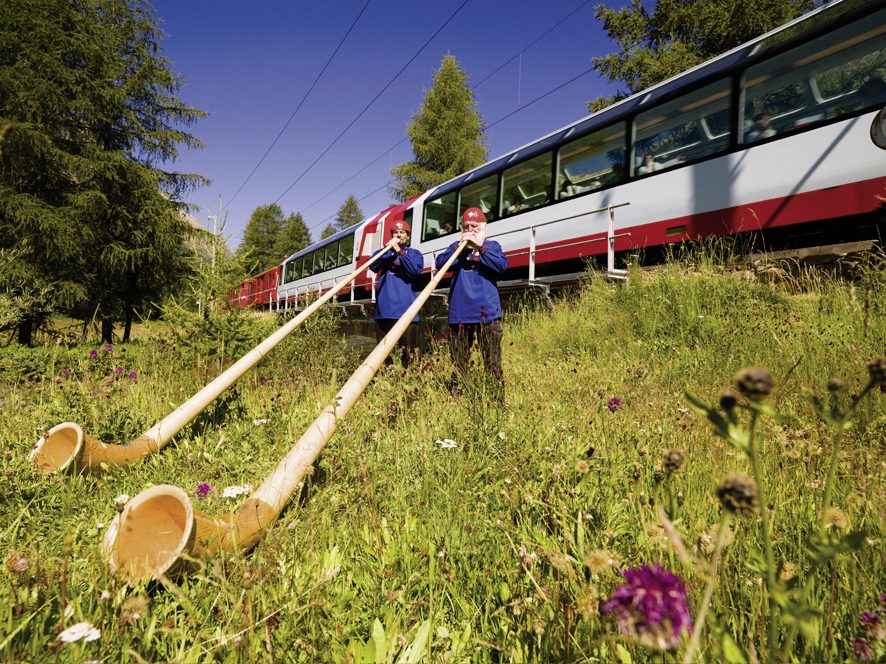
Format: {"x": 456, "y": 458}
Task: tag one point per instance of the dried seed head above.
{"x": 754, "y": 383}
{"x": 673, "y": 460}
{"x": 877, "y": 369}
{"x": 738, "y": 494}
{"x": 728, "y": 399}
{"x": 835, "y": 385}
{"x": 835, "y": 518}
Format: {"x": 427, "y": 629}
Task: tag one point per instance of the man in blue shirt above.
{"x": 397, "y": 269}
{"x": 474, "y": 305}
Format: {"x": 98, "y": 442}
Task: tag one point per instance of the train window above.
{"x": 682, "y": 130}
{"x": 440, "y": 216}
{"x": 311, "y": 264}
{"x": 527, "y": 185}
{"x": 838, "y": 73}
{"x": 593, "y": 161}
{"x": 346, "y": 250}
{"x": 482, "y": 194}
{"x": 296, "y": 272}
{"x": 330, "y": 256}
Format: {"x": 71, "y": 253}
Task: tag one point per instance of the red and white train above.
{"x": 775, "y": 136}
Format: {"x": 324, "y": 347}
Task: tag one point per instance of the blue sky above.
{"x": 248, "y": 65}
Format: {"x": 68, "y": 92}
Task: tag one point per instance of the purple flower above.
{"x": 118, "y": 370}
{"x": 862, "y": 649}
{"x": 651, "y": 607}
{"x": 614, "y": 404}
{"x": 872, "y": 625}
{"x": 65, "y": 373}
{"x": 133, "y": 375}
{"x": 108, "y": 347}
{"x": 203, "y": 489}
{"x": 93, "y": 354}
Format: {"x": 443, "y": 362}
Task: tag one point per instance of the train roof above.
{"x": 827, "y": 17}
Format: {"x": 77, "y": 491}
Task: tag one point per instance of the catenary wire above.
{"x": 300, "y": 104}
{"x": 374, "y": 99}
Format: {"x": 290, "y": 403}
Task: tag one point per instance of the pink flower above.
{"x": 133, "y": 375}
{"x": 93, "y": 354}
{"x": 203, "y": 489}
{"x": 108, "y": 347}
{"x": 65, "y": 373}
{"x": 118, "y": 370}
{"x": 614, "y": 404}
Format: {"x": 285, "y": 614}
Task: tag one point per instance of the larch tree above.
{"x": 90, "y": 116}
{"x": 260, "y": 244}
{"x": 294, "y": 235}
{"x": 328, "y": 231}
{"x": 679, "y": 34}
{"x": 447, "y": 134}
{"x": 348, "y": 214}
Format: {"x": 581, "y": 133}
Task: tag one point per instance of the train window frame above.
{"x": 667, "y": 115}
{"x": 805, "y": 64}
{"x": 425, "y": 227}
{"x": 576, "y": 184}
{"x": 490, "y": 209}
{"x": 346, "y": 250}
{"x": 511, "y": 206}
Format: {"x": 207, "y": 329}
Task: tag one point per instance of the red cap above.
{"x": 401, "y": 226}
{"x": 473, "y": 214}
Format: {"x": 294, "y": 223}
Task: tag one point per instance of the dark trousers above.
{"x": 488, "y": 337}
{"x": 407, "y": 343}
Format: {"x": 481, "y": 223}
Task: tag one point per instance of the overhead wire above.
{"x": 300, "y": 104}
{"x": 374, "y": 99}
{"x": 484, "y": 79}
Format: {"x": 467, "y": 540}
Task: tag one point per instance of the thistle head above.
{"x": 754, "y": 383}
{"x": 738, "y": 494}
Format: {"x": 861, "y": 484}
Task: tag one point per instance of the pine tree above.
{"x": 260, "y": 244}
{"x": 348, "y": 214}
{"x": 294, "y": 235}
{"x": 447, "y": 134}
{"x": 88, "y": 110}
{"x": 329, "y": 231}
{"x": 679, "y": 34}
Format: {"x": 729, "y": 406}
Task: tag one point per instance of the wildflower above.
{"x": 787, "y": 571}
{"x": 835, "y": 385}
{"x": 872, "y": 625}
{"x": 83, "y": 631}
{"x": 446, "y": 444}
{"x": 64, "y": 373}
{"x": 133, "y": 375}
{"x": 234, "y": 491}
{"x": 582, "y": 466}
{"x": 614, "y": 404}
{"x": 835, "y": 518}
{"x": 259, "y": 421}
{"x": 754, "y": 383}
{"x": 122, "y": 499}
{"x": 738, "y": 494}
{"x": 708, "y": 539}
{"x": 118, "y": 370}
{"x": 203, "y": 489}
{"x": 108, "y": 348}
{"x": 654, "y": 533}
{"x": 673, "y": 460}
{"x": 728, "y": 399}
{"x": 16, "y": 563}
{"x": 93, "y": 354}
{"x": 134, "y": 609}
{"x": 651, "y": 607}
{"x": 862, "y": 649}
{"x": 588, "y": 603}
{"x": 599, "y": 561}
{"x": 105, "y": 595}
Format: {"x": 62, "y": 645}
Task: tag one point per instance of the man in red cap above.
{"x": 397, "y": 269}
{"x": 474, "y": 305}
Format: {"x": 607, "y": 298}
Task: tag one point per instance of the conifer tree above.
{"x": 260, "y": 245}
{"x": 89, "y": 110}
{"x": 348, "y": 214}
{"x": 294, "y": 235}
{"x": 329, "y": 231}
{"x": 679, "y": 34}
{"x": 447, "y": 134}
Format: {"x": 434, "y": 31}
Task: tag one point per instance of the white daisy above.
{"x": 83, "y": 631}
{"x": 234, "y": 491}
{"x": 446, "y": 444}
{"x": 122, "y": 499}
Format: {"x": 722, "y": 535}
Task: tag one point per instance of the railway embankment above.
{"x": 448, "y": 527}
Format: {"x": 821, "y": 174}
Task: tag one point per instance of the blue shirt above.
{"x": 473, "y": 293}
{"x": 396, "y": 289}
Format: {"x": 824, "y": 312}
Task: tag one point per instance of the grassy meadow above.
{"x": 441, "y": 527}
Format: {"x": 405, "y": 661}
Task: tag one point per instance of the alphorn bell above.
{"x": 159, "y": 531}
{"x": 66, "y": 447}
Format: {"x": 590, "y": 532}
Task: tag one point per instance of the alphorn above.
{"x": 66, "y": 447}
{"x": 160, "y": 533}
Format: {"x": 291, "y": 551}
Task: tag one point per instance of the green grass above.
{"x": 400, "y": 550}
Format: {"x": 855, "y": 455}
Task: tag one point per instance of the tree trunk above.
{"x": 25, "y": 331}
{"x": 107, "y": 331}
{"x": 127, "y": 324}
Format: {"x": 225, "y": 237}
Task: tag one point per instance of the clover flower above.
{"x": 614, "y": 404}
{"x": 64, "y": 373}
{"x": 83, "y": 631}
{"x": 651, "y": 607}
{"x": 93, "y": 354}
{"x": 203, "y": 489}
{"x": 17, "y": 563}
{"x": 133, "y": 375}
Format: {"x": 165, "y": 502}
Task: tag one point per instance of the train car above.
{"x": 257, "y": 292}
{"x": 773, "y": 137}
